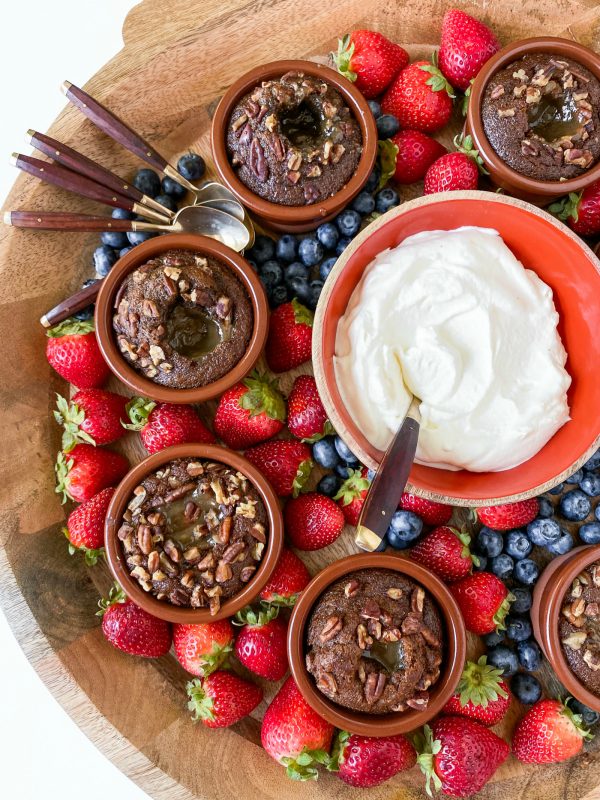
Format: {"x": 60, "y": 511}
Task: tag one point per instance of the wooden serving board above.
{"x": 178, "y": 59}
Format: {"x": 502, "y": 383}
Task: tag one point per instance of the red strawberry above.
{"x": 287, "y": 581}
{"x": 312, "y": 521}
{"x": 73, "y": 351}
{"x": 166, "y": 424}
{"x": 370, "y": 60}
{"x": 420, "y": 97}
{"x": 250, "y": 412}
{"x": 459, "y": 755}
{"x": 445, "y": 551}
{"x": 581, "y": 211}
{"x": 455, "y": 171}
{"x": 222, "y": 699}
{"x": 549, "y": 732}
{"x": 86, "y": 469}
{"x": 483, "y": 600}
{"x": 131, "y": 629}
{"x": 290, "y": 336}
{"x": 204, "y": 647}
{"x": 465, "y": 47}
{"x": 366, "y": 761}
{"x": 295, "y": 735}
{"x": 510, "y": 515}
{"x": 480, "y": 695}
{"x": 351, "y": 495}
{"x": 93, "y": 416}
{"x": 261, "y": 645}
{"x": 416, "y": 153}
{"x": 286, "y": 464}
{"x": 85, "y": 525}
{"x": 431, "y": 513}
{"x": 306, "y": 416}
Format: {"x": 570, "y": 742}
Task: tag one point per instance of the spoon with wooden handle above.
{"x": 389, "y": 482}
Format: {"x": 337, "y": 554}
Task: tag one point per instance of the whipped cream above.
{"x": 455, "y": 319}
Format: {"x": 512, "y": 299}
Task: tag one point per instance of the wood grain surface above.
{"x": 178, "y": 59}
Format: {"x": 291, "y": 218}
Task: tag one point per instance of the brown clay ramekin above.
{"x": 275, "y": 215}
{"x": 548, "y": 596}
{"x": 114, "y": 518}
{"x": 454, "y": 653}
{"x": 535, "y": 191}
{"x": 107, "y": 301}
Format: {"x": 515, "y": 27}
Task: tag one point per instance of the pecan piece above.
{"x": 326, "y": 683}
{"x": 374, "y": 628}
{"x": 223, "y": 572}
{"x": 233, "y": 552}
{"x": 258, "y": 162}
{"x": 153, "y": 561}
{"x": 172, "y": 551}
{"x": 506, "y": 112}
{"x": 145, "y": 539}
{"x": 241, "y": 120}
{"x": 419, "y": 701}
{"x": 412, "y": 623}
{"x": 592, "y": 660}
{"x": 371, "y": 610}
{"x": 225, "y": 530}
{"x": 575, "y": 640}
{"x": 395, "y": 593}
{"x": 331, "y": 629}
{"x": 497, "y": 92}
{"x": 429, "y": 636}
{"x": 592, "y": 610}
{"x": 246, "y": 573}
{"x": 364, "y": 640}
{"x": 417, "y": 599}
{"x": 374, "y": 686}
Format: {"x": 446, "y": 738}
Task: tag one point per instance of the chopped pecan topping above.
{"x": 374, "y": 686}
{"x": 364, "y": 640}
{"x": 326, "y": 682}
{"x": 592, "y": 659}
{"x": 575, "y": 640}
{"x": 497, "y": 92}
{"x": 351, "y": 588}
{"x": 395, "y": 593}
{"x": 371, "y": 610}
{"x": 331, "y": 629}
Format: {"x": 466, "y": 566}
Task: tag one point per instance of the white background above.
{"x": 43, "y": 42}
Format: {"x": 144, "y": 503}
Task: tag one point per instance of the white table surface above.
{"x": 43, "y": 42}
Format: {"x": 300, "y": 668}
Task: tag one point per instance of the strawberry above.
{"x": 290, "y": 336}
{"x": 86, "y": 469}
{"x": 351, "y": 494}
{"x": 465, "y": 46}
{"x": 222, "y": 699}
{"x": 93, "y": 416}
{"x": 549, "y": 732}
{"x": 431, "y": 513}
{"x": 420, "y": 97}
{"x": 581, "y": 211}
{"x": 370, "y": 60}
{"x": 250, "y": 412}
{"x": 483, "y": 600}
{"x": 289, "y": 578}
{"x": 261, "y": 645}
{"x": 307, "y": 418}
{"x": 445, "y": 551}
{"x": 510, "y": 515}
{"x": 459, "y": 755}
{"x": 455, "y": 171}
{"x": 366, "y": 761}
{"x": 480, "y": 695}
{"x": 416, "y": 153}
{"x": 295, "y": 735}
{"x": 85, "y": 526}
{"x": 166, "y": 424}
{"x": 312, "y": 521}
{"x": 204, "y": 647}
{"x": 73, "y": 351}
{"x": 131, "y": 629}
{"x": 286, "y": 464}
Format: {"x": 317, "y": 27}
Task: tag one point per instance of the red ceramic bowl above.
{"x": 542, "y": 244}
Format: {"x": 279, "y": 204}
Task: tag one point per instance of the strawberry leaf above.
{"x": 343, "y": 58}
{"x": 352, "y": 487}
{"x": 567, "y": 207}
{"x": 200, "y": 704}
{"x": 90, "y": 556}
{"x": 302, "y": 767}
{"x": 217, "y": 658}
{"x": 466, "y": 98}
{"x": 281, "y": 600}
{"x": 480, "y": 684}
{"x": 116, "y": 595}
{"x": 576, "y": 720}
{"x": 502, "y": 611}
{"x": 71, "y": 416}
{"x": 464, "y": 144}
{"x": 387, "y": 152}
{"x": 70, "y": 327}
{"x": 337, "y": 752}
{"x": 302, "y": 475}
{"x": 62, "y": 468}
{"x": 427, "y": 747}
{"x": 302, "y": 315}
{"x": 138, "y": 409}
{"x": 263, "y": 397}
{"x": 328, "y": 430}
{"x": 256, "y": 619}
{"x": 437, "y": 81}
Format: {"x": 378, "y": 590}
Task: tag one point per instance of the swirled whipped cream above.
{"x": 453, "y": 318}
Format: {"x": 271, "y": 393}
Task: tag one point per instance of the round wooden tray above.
{"x": 177, "y": 61}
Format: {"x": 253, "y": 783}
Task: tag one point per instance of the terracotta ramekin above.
{"x": 274, "y": 215}
{"x": 548, "y": 596}
{"x": 107, "y": 301}
{"x": 454, "y": 653}
{"x": 537, "y": 192}
{"x": 114, "y": 518}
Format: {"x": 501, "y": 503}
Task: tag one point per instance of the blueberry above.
{"x": 590, "y": 533}
{"x": 575, "y": 477}
{"x": 295, "y": 270}
{"x": 482, "y": 565}
{"x": 404, "y": 528}
{"x": 278, "y": 295}
{"x": 342, "y": 245}
{"x": 300, "y": 288}
{"x": 387, "y": 126}
{"x": 597, "y": 512}
{"x": 325, "y": 454}
{"x": 590, "y": 484}
{"x": 328, "y": 235}
{"x": 546, "y": 509}
{"x": 104, "y": 259}
{"x": 348, "y": 222}
{"x": 373, "y": 181}
{"x": 526, "y": 571}
{"x": 122, "y": 213}
{"x": 502, "y": 657}
{"x": 310, "y": 251}
{"x": 526, "y": 689}
{"x": 286, "y": 248}
{"x": 329, "y": 485}
{"x": 262, "y": 250}
{"x": 326, "y": 267}
{"x": 166, "y": 201}
{"x": 575, "y": 505}
{"x": 125, "y": 250}
{"x": 147, "y": 181}
{"x": 522, "y": 602}
{"x": 344, "y": 451}
{"x": 115, "y": 239}
{"x": 502, "y": 566}
{"x": 343, "y": 470}
{"x": 316, "y": 287}
{"x": 191, "y": 166}
{"x": 270, "y": 273}
{"x": 562, "y": 545}
{"x": 518, "y": 628}
{"x": 489, "y": 543}
{"x": 530, "y": 655}
{"x": 494, "y": 638}
{"x": 386, "y": 199}
{"x": 364, "y": 203}
{"x": 172, "y": 188}
{"x": 517, "y": 545}
{"x": 543, "y": 531}
{"x": 375, "y": 108}
{"x": 557, "y": 489}
{"x": 137, "y": 237}
{"x": 589, "y": 716}
{"x": 593, "y": 462}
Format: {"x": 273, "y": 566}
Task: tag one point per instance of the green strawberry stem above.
{"x": 576, "y": 719}
{"x": 70, "y": 327}
{"x": 567, "y": 207}
{"x": 116, "y": 595}
{"x": 200, "y": 704}
{"x": 352, "y": 487}
{"x": 256, "y": 619}
{"x": 427, "y": 747}
{"x": 464, "y": 144}
{"x": 343, "y": 57}
{"x": 466, "y": 98}
{"x": 62, "y": 468}
{"x": 281, "y": 601}
{"x": 91, "y": 556}
{"x": 387, "y": 152}
{"x": 302, "y": 314}
{"x": 70, "y": 416}
{"x": 302, "y": 475}
{"x": 138, "y": 409}
{"x": 502, "y": 611}
{"x": 480, "y": 683}
{"x": 302, "y": 767}
{"x": 337, "y": 752}
{"x": 263, "y": 396}
{"x": 218, "y": 658}
{"x": 328, "y": 430}
{"x": 438, "y": 81}
{"x": 465, "y": 539}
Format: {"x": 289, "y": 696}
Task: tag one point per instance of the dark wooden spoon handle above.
{"x": 63, "y": 221}
{"x": 71, "y": 305}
